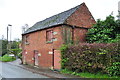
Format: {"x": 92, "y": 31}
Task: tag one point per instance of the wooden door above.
{"x": 36, "y": 57}
{"x": 24, "y": 57}
{"x": 57, "y": 59}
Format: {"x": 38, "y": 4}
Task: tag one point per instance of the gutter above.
{"x": 55, "y": 26}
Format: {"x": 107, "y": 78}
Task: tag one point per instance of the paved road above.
{"x": 11, "y": 71}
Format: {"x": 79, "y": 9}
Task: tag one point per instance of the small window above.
{"x": 49, "y": 36}
{"x": 26, "y": 39}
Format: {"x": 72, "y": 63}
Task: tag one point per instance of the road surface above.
{"x": 12, "y": 71}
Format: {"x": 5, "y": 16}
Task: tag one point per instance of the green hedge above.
{"x": 93, "y": 58}
{"x": 7, "y": 58}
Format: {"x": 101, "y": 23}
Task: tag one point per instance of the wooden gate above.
{"x": 57, "y": 59}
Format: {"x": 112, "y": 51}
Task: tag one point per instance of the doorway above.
{"x": 36, "y": 58}
{"x": 57, "y": 59}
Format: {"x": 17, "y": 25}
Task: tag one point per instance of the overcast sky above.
{"x": 20, "y": 12}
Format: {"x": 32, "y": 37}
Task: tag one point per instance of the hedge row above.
{"x": 93, "y": 58}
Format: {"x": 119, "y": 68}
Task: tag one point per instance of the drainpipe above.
{"x": 73, "y": 33}
{"x": 53, "y": 51}
{"x": 53, "y": 58}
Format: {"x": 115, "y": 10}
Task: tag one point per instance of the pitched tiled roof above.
{"x": 52, "y": 21}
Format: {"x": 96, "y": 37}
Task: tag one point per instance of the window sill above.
{"x": 27, "y": 43}
{"x": 49, "y": 42}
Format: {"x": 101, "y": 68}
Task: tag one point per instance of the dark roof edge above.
{"x": 56, "y": 26}
{"x": 43, "y": 29}
{"x": 73, "y": 26}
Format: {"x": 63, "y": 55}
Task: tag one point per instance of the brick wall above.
{"x": 81, "y": 17}
{"x": 37, "y": 41}
{"x": 79, "y": 35}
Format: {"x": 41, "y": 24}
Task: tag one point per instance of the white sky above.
{"x": 20, "y": 12}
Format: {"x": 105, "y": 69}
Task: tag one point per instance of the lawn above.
{"x": 7, "y": 58}
{"x": 88, "y": 75}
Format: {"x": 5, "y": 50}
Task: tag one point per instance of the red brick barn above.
{"x": 41, "y": 42}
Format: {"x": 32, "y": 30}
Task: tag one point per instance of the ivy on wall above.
{"x": 67, "y": 34}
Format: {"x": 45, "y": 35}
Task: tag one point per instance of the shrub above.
{"x": 63, "y": 58}
{"x": 91, "y": 58}
{"x": 16, "y": 51}
{"x": 114, "y": 69}
{"x": 7, "y": 58}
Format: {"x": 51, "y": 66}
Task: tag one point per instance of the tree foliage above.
{"x": 14, "y": 47}
{"x": 4, "y": 47}
{"x": 104, "y": 31}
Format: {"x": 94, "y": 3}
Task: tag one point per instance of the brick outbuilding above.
{"x": 41, "y": 42}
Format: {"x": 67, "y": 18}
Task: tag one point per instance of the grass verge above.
{"x": 87, "y": 75}
{"x": 7, "y": 58}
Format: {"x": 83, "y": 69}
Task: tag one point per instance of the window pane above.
{"x": 49, "y": 35}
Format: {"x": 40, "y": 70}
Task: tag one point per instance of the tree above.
{"x": 15, "y": 47}
{"x": 4, "y": 47}
{"x": 104, "y": 31}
